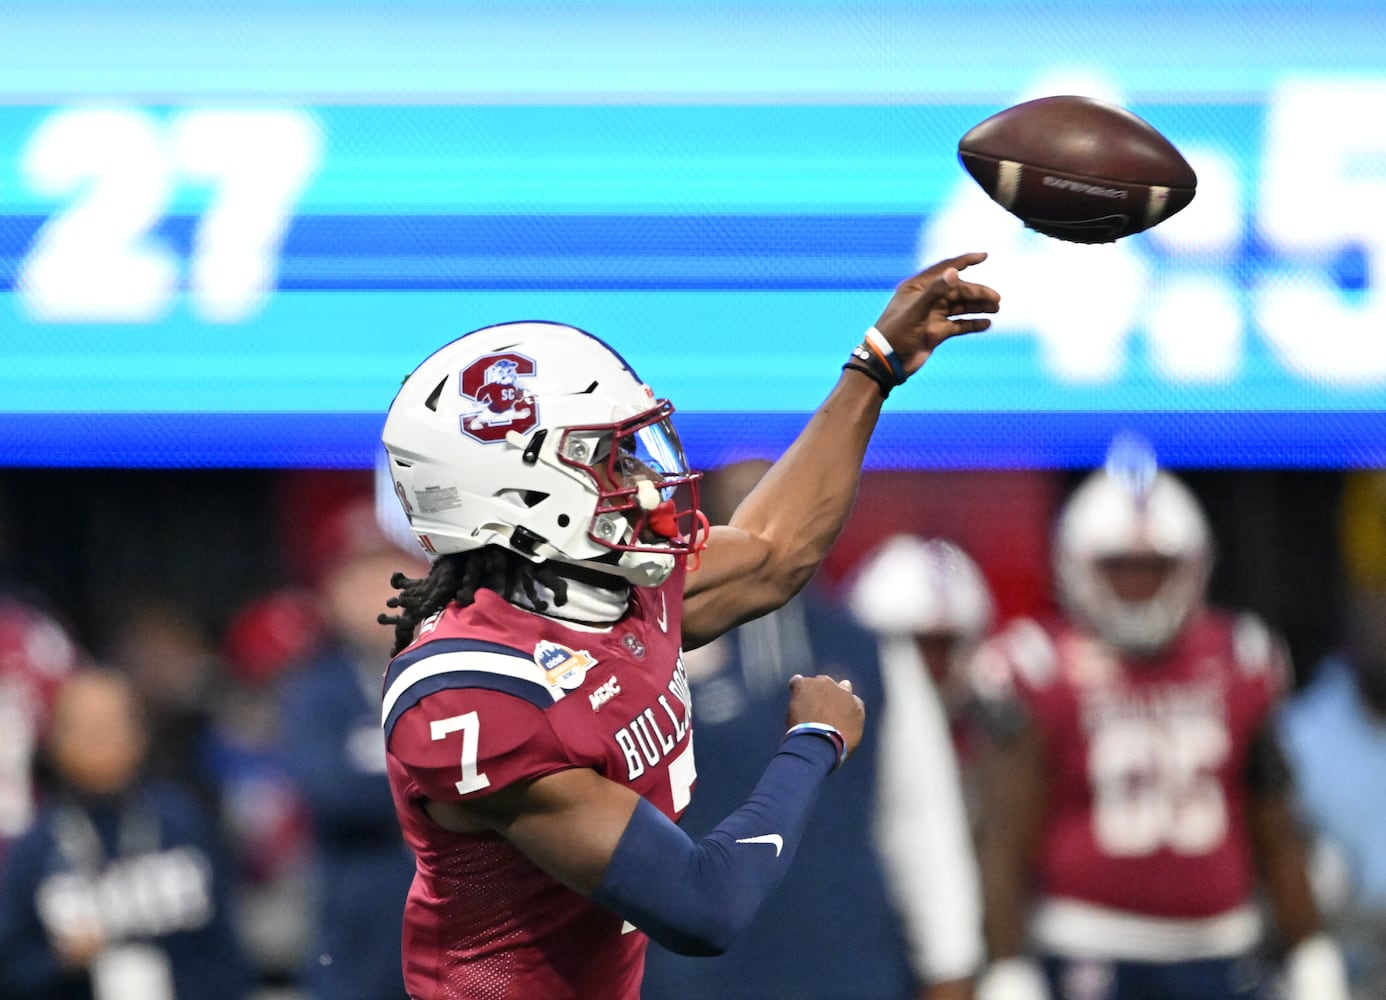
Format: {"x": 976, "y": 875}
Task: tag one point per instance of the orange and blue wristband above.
{"x": 877, "y": 360}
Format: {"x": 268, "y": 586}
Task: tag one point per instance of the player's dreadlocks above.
{"x": 457, "y": 577}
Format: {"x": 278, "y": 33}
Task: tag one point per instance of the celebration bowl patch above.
{"x": 563, "y": 666}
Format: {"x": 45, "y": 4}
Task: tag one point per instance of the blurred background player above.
{"x": 891, "y": 858}
{"x": 930, "y": 606}
{"x": 329, "y": 720}
{"x": 119, "y": 890}
{"x": 180, "y": 682}
{"x": 1134, "y": 795}
{"x": 1334, "y": 732}
{"x": 264, "y": 812}
{"x": 36, "y": 655}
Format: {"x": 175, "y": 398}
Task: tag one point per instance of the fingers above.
{"x": 965, "y": 260}
{"x": 943, "y": 282}
{"x": 969, "y": 325}
{"x": 950, "y": 283}
{"x": 946, "y": 270}
{"x": 798, "y": 679}
{"x": 968, "y": 297}
{"x": 958, "y": 263}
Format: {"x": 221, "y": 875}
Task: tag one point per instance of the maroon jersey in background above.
{"x": 1147, "y": 759}
{"x": 36, "y": 656}
{"x": 492, "y": 694}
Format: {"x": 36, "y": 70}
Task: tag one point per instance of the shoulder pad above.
{"x": 460, "y": 663}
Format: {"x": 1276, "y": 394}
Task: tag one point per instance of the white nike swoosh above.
{"x": 766, "y": 838}
{"x": 663, "y": 619}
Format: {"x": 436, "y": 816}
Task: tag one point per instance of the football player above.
{"x": 536, "y": 715}
{"x": 930, "y": 607}
{"x": 1134, "y": 800}
{"x": 37, "y": 653}
{"x": 927, "y": 597}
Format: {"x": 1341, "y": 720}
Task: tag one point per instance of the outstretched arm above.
{"x": 603, "y": 840}
{"x": 785, "y": 526}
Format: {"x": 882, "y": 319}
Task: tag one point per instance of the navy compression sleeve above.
{"x": 695, "y": 899}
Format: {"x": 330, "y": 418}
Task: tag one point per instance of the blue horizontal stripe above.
{"x": 621, "y": 235}
{"x": 524, "y": 690}
{"x": 874, "y": 279}
{"x": 903, "y": 440}
{"x": 407, "y": 659}
{"x": 422, "y": 252}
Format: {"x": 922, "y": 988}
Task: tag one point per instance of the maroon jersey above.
{"x": 489, "y": 695}
{"x": 36, "y": 655}
{"x": 1147, "y": 759}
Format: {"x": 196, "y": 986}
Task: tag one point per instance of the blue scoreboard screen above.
{"x": 228, "y": 230}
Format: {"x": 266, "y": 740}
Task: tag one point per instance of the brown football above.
{"x": 1077, "y": 168}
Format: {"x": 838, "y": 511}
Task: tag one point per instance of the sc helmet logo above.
{"x": 495, "y": 382}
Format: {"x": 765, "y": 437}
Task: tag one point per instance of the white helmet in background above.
{"x": 538, "y": 438}
{"x": 1132, "y": 508}
{"x": 913, "y": 586}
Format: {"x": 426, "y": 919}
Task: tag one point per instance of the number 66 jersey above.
{"x": 492, "y": 694}
{"x": 1147, "y": 763}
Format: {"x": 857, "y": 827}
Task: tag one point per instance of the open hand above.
{"x": 932, "y": 306}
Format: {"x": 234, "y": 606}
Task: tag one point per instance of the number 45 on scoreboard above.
{"x": 96, "y": 261}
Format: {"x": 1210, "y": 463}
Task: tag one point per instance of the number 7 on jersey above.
{"x": 468, "y": 725}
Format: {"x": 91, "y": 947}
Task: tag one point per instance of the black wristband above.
{"x": 857, "y": 365}
{"x": 875, "y": 357}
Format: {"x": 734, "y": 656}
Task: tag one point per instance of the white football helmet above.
{"x": 913, "y": 586}
{"x": 539, "y": 438}
{"x": 1132, "y": 508}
